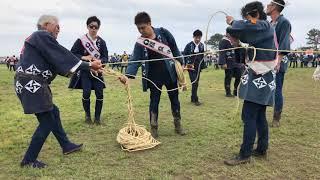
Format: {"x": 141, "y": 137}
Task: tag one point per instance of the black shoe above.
{"x": 235, "y": 93}
{"x": 97, "y": 121}
{"x": 35, "y": 164}
{"x": 229, "y": 95}
{"x": 88, "y": 120}
{"x": 260, "y": 154}
{"x": 237, "y": 161}
{"x": 197, "y": 103}
{"x": 70, "y": 148}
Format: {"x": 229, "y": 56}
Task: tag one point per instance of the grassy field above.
{"x": 214, "y": 134}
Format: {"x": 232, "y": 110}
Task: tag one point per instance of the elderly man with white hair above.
{"x": 42, "y": 58}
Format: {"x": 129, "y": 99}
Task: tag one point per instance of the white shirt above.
{"x": 196, "y": 49}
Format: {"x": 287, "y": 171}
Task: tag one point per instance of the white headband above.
{"x": 286, "y": 3}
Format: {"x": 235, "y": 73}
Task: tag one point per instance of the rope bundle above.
{"x": 133, "y": 137}
{"x": 180, "y": 75}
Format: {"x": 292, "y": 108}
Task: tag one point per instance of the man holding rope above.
{"x": 195, "y": 63}
{"x": 232, "y": 62}
{"x": 88, "y": 47}
{"x": 283, "y": 29}
{"x": 42, "y": 59}
{"x": 156, "y": 43}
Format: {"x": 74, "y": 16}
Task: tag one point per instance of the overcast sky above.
{"x": 181, "y": 17}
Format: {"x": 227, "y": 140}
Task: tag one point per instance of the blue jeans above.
{"x": 278, "y": 93}
{"x": 254, "y": 119}
{"x": 48, "y": 122}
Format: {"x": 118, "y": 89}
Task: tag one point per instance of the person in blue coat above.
{"x": 86, "y": 48}
{"x": 232, "y": 62}
{"x": 42, "y": 59}
{"x": 162, "y": 73}
{"x": 193, "y": 63}
{"x": 257, "y": 86}
{"x": 283, "y": 30}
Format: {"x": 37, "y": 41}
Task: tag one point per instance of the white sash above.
{"x": 166, "y": 51}
{"x": 91, "y": 47}
{"x": 156, "y": 46}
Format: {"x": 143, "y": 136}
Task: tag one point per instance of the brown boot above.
{"x": 154, "y": 125}
{"x": 276, "y": 119}
{"x": 177, "y": 123}
{"x": 237, "y": 161}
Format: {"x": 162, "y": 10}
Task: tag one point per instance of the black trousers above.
{"x": 88, "y": 82}
{"x": 229, "y": 74}
{"x": 125, "y": 69}
{"x": 194, "y": 92}
{"x": 12, "y": 67}
{"x": 155, "y": 96}
{"x": 48, "y": 122}
{"x": 295, "y": 64}
{"x": 255, "y": 122}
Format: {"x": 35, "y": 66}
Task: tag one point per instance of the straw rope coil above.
{"x": 133, "y": 137}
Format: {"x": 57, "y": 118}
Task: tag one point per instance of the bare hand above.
{"x": 96, "y": 65}
{"x": 229, "y": 19}
{"x": 224, "y": 66}
{"x": 87, "y": 58}
{"x": 123, "y": 79}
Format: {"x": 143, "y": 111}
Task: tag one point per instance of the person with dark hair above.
{"x": 283, "y": 29}
{"x": 257, "y": 85}
{"x": 42, "y": 59}
{"x": 7, "y": 61}
{"x": 156, "y": 43}
{"x": 88, "y": 47}
{"x": 124, "y": 60}
{"x": 193, "y": 63}
{"x": 12, "y": 63}
{"x": 232, "y": 62}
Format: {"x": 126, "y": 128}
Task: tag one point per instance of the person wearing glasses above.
{"x": 87, "y": 48}
{"x": 42, "y": 59}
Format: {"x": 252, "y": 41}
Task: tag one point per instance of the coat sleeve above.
{"x": 133, "y": 67}
{"x": 173, "y": 46}
{"x": 104, "y": 53}
{"x": 53, "y": 53}
{"x": 77, "y": 48}
{"x": 243, "y": 29}
{"x": 284, "y": 37}
{"x": 222, "y": 54}
{"x": 186, "y": 52}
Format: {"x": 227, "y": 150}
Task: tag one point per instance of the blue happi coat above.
{"x": 79, "y": 51}
{"x": 196, "y": 59}
{"x": 283, "y": 30}
{"x": 232, "y": 58}
{"x": 255, "y": 88}
{"x": 141, "y": 53}
{"x": 42, "y": 58}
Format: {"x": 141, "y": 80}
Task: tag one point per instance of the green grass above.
{"x": 214, "y": 134}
